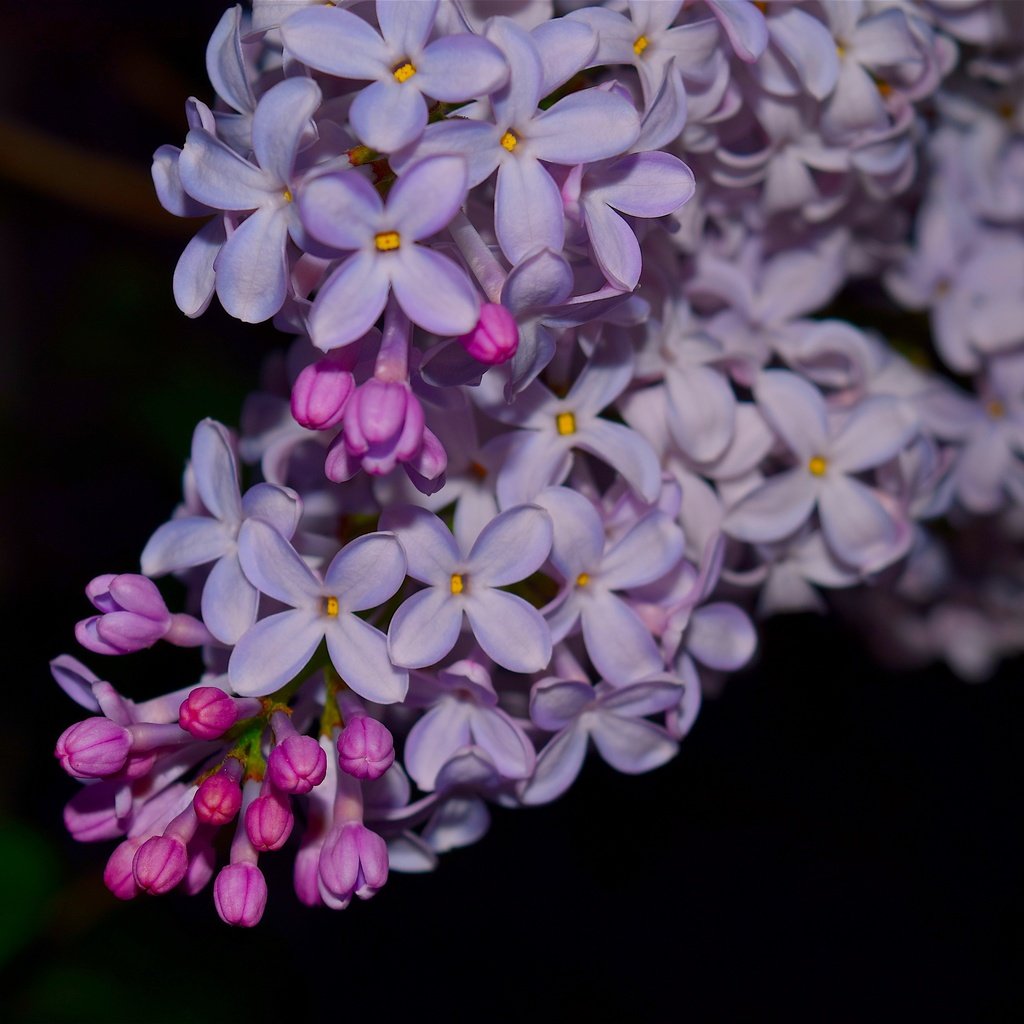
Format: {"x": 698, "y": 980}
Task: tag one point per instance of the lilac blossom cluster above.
{"x": 571, "y": 398}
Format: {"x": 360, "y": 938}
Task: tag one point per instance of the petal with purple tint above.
{"x": 215, "y": 471}
{"x": 425, "y": 628}
{"x": 442, "y": 731}
{"x": 632, "y": 745}
{"x": 876, "y": 431}
{"x": 279, "y": 506}
{"x": 76, "y": 680}
{"x": 219, "y": 177}
{"x": 433, "y": 290}
{"x": 619, "y": 644}
{"x": 347, "y": 306}
{"x": 406, "y": 24}
{"x": 651, "y": 548}
{"x": 721, "y": 636}
{"x": 430, "y": 550}
{"x": 515, "y": 103}
{"x": 648, "y": 697}
{"x": 509, "y": 630}
{"x": 625, "y": 450}
{"x": 274, "y": 651}
{"x": 858, "y": 528}
{"x": 194, "y": 278}
{"x": 506, "y": 744}
{"x": 558, "y": 764}
{"x": 427, "y": 196}
{"x": 359, "y": 652}
{"x": 275, "y": 568}
{"x": 252, "y": 270}
{"x": 527, "y": 209}
{"x": 565, "y": 47}
{"x": 702, "y": 411}
{"x": 584, "y": 127}
{"x": 343, "y": 209}
{"x": 511, "y": 547}
{"x": 477, "y": 142}
{"x": 388, "y": 114}
{"x": 337, "y": 42}
{"x": 774, "y": 510}
{"x": 229, "y": 601}
{"x": 460, "y": 67}
{"x": 283, "y": 114}
{"x": 745, "y": 26}
{"x": 809, "y": 47}
{"x": 554, "y": 703}
{"x": 366, "y": 572}
{"x": 182, "y": 543}
{"x": 225, "y": 64}
{"x": 535, "y": 462}
{"x": 796, "y": 410}
{"x": 615, "y": 248}
{"x": 543, "y": 279}
{"x": 578, "y": 532}
{"x": 645, "y": 184}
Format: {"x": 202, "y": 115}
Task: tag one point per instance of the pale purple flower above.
{"x": 363, "y": 575}
{"x": 344, "y": 211}
{"x": 229, "y": 600}
{"x": 511, "y": 547}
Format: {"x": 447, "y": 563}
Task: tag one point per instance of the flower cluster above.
{"x": 573, "y": 394}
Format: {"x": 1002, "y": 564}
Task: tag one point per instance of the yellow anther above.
{"x": 458, "y": 586}
{"x": 583, "y": 579}
{"x": 817, "y": 465}
{"x": 840, "y": 50}
{"x": 884, "y": 89}
{"x": 509, "y": 141}
{"x": 331, "y": 606}
{"x": 475, "y": 469}
{"x": 404, "y": 72}
{"x": 641, "y": 44}
{"x": 387, "y": 241}
{"x": 287, "y": 195}
{"x": 995, "y": 408}
{"x": 565, "y": 423}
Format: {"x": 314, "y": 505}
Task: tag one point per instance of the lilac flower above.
{"x": 391, "y": 112}
{"x": 857, "y": 525}
{"x": 364, "y": 574}
{"x": 612, "y": 716}
{"x": 229, "y": 600}
{"x": 511, "y": 547}
{"x": 463, "y": 711}
{"x": 345, "y": 211}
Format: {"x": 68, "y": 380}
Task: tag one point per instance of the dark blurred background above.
{"x": 833, "y": 844}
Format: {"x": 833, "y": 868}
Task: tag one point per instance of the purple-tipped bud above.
{"x": 297, "y": 764}
{"x": 218, "y": 799}
{"x": 366, "y": 749}
{"x": 160, "y": 864}
{"x": 207, "y": 713}
{"x": 495, "y": 338}
{"x": 240, "y": 894}
{"x": 269, "y": 821}
{"x": 133, "y": 615}
{"x": 91, "y": 815}
{"x": 117, "y": 875}
{"x": 353, "y": 861}
{"x": 320, "y": 393}
{"x": 305, "y": 874}
{"x": 93, "y": 748}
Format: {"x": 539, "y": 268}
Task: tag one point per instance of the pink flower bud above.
{"x": 207, "y": 713}
{"x": 134, "y": 615}
{"x": 160, "y": 864}
{"x": 320, "y": 393}
{"x": 305, "y": 873}
{"x": 117, "y": 875}
{"x": 200, "y": 868}
{"x": 93, "y": 748}
{"x": 218, "y": 799}
{"x": 240, "y": 894}
{"x": 90, "y": 815}
{"x": 495, "y": 338}
{"x": 269, "y": 821}
{"x": 353, "y": 861}
{"x": 366, "y": 748}
{"x": 297, "y": 764}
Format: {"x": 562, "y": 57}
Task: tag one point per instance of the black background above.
{"x": 834, "y": 843}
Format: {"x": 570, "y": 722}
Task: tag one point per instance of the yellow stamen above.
{"x": 387, "y": 241}
{"x": 287, "y": 195}
{"x": 641, "y": 44}
{"x": 404, "y": 72}
{"x": 331, "y": 606}
{"x": 884, "y": 89}
{"x": 478, "y": 471}
{"x": 817, "y": 465}
{"x": 583, "y": 579}
{"x": 565, "y": 423}
{"x": 840, "y": 50}
{"x": 995, "y": 408}
{"x": 509, "y": 141}
{"x": 458, "y": 586}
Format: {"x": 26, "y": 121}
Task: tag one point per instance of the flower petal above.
{"x": 349, "y": 303}
{"x": 511, "y": 546}
{"x": 430, "y": 550}
{"x": 425, "y": 628}
{"x": 558, "y": 764}
{"x": 527, "y": 209}
{"x": 275, "y": 568}
{"x": 632, "y": 745}
{"x": 388, "y": 115}
{"x": 509, "y": 630}
{"x": 434, "y": 291}
{"x": 183, "y": 543}
{"x": 619, "y": 644}
{"x": 366, "y": 572}
{"x": 359, "y": 652}
{"x": 229, "y": 602}
{"x": 774, "y": 510}
{"x": 216, "y": 471}
{"x": 274, "y": 651}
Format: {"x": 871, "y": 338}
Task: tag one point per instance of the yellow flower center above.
{"x": 404, "y": 72}
{"x": 287, "y": 195}
{"x": 583, "y": 579}
{"x": 458, "y": 584}
{"x": 995, "y": 408}
{"x": 331, "y": 606}
{"x": 641, "y": 44}
{"x": 817, "y": 465}
{"x": 387, "y": 241}
{"x": 565, "y": 423}
{"x": 509, "y": 141}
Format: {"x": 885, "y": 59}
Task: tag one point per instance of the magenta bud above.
{"x": 200, "y": 868}
{"x": 91, "y": 815}
{"x": 93, "y": 748}
{"x": 353, "y": 861}
{"x": 240, "y": 894}
{"x": 269, "y": 820}
{"x": 160, "y": 864}
{"x": 134, "y": 615}
{"x": 218, "y": 799}
{"x": 305, "y": 874}
{"x": 297, "y": 765}
{"x": 207, "y": 713}
{"x": 320, "y": 393}
{"x": 366, "y": 748}
{"x": 495, "y": 338}
{"x": 117, "y": 875}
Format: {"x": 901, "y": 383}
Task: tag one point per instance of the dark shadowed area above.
{"x": 834, "y": 843}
